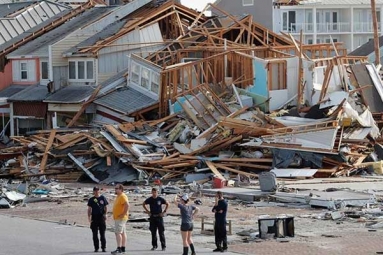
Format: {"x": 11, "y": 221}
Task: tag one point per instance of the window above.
{"x": 155, "y": 83}
{"x": 24, "y": 71}
{"x": 81, "y": 70}
{"x": 288, "y": 21}
{"x": 247, "y": 2}
{"x": 309, "y": 41}
{"x": 136, "y": 69}
{"x": 145, "y": 76}
{"x": 309, "y": 21}
{"x": 44, "y": 70}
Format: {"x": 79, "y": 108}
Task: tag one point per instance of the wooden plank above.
{"x": 214, "y": 170}
{"x": 236, "y": 171}
{"x": 43, "y": 162}
{"x": 84, "y": 106}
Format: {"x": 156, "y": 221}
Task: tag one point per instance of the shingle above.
{"x": 126, "y": 100}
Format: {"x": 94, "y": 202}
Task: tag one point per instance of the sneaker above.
{"x": 193, "y": 253}
{"x": 153, "y": 248}
{"x": 218, "y": 250}
{"x": 163, "y": 248}
{"x": 95, "y": 250}
{"x": 117, "y": 251}
{"x": 224, "y": 248}
{"x": 103, "y": 250}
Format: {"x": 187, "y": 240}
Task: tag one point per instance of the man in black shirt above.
{"x": 97, "y": 209}
{"x": 156, "y": 217}
{"x": 220, "y": 210}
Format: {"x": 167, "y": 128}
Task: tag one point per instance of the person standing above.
{"x": 220, "y": 211}
{"x": 156, "y": 214}
{"x": 120, "y": 216}
{"x": 97, "y": 209}
{"x": 187, "y": 214}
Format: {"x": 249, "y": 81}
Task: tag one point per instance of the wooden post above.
{"x": 376, "y": 36}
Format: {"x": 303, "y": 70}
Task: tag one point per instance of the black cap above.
{"x": 96, "y": 188}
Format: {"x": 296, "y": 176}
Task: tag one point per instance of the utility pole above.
{"x": 376, "y": 36}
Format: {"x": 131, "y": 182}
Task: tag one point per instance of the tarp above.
{"x": 284, "y": 158}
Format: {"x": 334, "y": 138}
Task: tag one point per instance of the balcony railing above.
{"x": 365, "y": 27}
{"x": 339, "y": 27}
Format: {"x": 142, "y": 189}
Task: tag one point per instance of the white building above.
{"x": 348, "y": 21}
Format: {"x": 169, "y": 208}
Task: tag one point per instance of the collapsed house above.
{"x": 207, "y": 96}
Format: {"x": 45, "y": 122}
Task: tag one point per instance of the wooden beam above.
{"x": 214, "y": 170}
{"x": 43, "y": 163}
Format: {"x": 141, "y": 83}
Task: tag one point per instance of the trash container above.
{"x": 218, "y": 183}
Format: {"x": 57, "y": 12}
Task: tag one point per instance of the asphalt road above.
{"x": 20, "y": 236}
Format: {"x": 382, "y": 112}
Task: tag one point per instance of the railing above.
{"x": 364, "y": 27}
{"x": 320, "y": 27}
{"x": 338, "y": 27}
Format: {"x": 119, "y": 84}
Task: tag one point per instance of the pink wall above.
{"x": 6, "y": 76}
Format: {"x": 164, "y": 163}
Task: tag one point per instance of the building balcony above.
{"x": 339, "y": 27}
{"x": 364, "y": 27}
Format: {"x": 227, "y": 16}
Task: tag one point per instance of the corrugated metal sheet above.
{"x": 288, "y": 172}
{"x": 33, "y": 93}
{"x": 39, "y": 46}
{"x": 38, "y": 110}
{"x": 126, "y": 100}
{"x": 26, "y": 15}
{"x": 356, "y": 133}
{"x": 321, "y": 139}
{"x": 70, "y": 94}
{"x": 11, "y": 90}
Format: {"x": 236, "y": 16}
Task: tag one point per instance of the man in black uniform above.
{"x": 156, "y": 218}
{"x": 220, "y": 210}
{"x": 97, "y": 209}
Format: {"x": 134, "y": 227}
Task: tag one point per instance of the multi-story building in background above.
{"x": 347, "y": 21}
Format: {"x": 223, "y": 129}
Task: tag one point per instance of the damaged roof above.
{"x": 34, "y": 93}
{"x": 126, "y": 100}
{"x": 108, "y": 31}
{"x": 39, "y": 46}
{"x": 78, "y": 94}
{"x": 18, "y": 18}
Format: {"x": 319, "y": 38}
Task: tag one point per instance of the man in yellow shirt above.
{"x": 120, "y": 216}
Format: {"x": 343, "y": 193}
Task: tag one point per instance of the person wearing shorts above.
{"x": 120, "y": 216}
{"x": 187, "y": 214}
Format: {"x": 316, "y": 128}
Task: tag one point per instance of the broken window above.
{"x": 145, "y": 76}
{"x": 155, "y": 83}
{"x": 136, "y": 73}
{"x": 277, "y": 75}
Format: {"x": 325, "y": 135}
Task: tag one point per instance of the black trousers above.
{"x": 220, "y": 234}
{"x": 157, "y": 223}
{"x": 98, "y": 225}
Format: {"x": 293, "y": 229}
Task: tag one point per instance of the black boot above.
{"x": 218, "y": 249}
{"x": 186, "y": 251}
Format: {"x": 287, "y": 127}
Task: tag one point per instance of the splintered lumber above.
{"x": 235, "y": 170}
{"x": 43, "y": 163}
{"x": 214, "y": 170}
{"x": 245, "y": 127}
{"x": 179, "y": 165}
{"x": 84, "y": 106}
{"x": 78, "y": 138}
{"x": 227, "y": 143}
{"x": 83, "y": 168}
